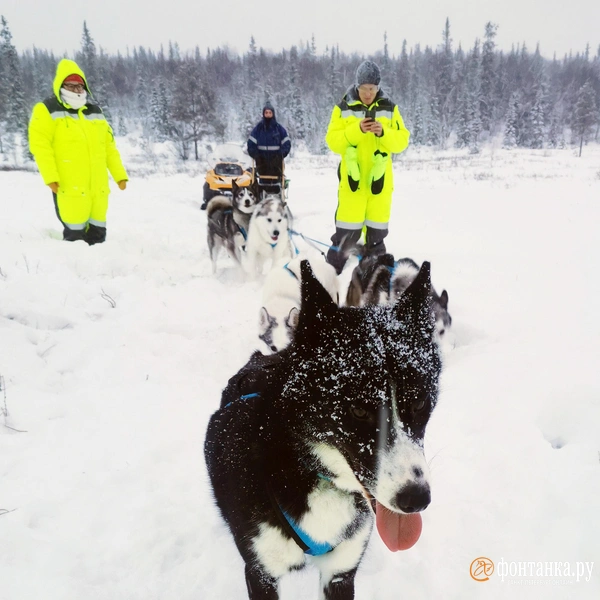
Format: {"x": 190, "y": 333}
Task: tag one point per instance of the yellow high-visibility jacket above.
{"x": 76, "y": 149}
{"x": 368, "y": 204}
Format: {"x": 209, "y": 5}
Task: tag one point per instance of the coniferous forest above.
{"x": 449, "y": 96}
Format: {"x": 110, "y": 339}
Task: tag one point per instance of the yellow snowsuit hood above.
{"x": 65, "y": 68}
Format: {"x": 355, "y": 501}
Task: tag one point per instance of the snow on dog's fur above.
{"x": 278, "y": 315}
{"x": 268, "y": 237}
{"x": 228, "y": 221}
{"x": 333, "y": 432}
{"x": 380, "y": 279}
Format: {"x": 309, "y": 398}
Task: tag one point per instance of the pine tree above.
{"x": 585, "y": 114}
{"x": 511, "y": 131}
{"x": 488, "y": 76}
{"x": 89, "y": 60}
{"x": 445, "y": 84}
{"x": 298, "y": 128}
{"x": 538, "y": 120}
{"x": 463, "y": 134}
{"x": 14, "y": 115}
{"x": 335, "y": 83}
{"x": 417, "y": 135}
{"x": 434, "y": 124}
{"x": 403, "y": 79}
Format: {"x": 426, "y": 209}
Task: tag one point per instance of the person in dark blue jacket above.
{"x": 269, "y": 143}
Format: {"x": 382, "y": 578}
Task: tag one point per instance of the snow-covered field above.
{"x": 113, "y": 358}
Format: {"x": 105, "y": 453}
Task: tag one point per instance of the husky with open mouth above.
{"x": 268, "y": 236}
{"x": 315, "y": 444}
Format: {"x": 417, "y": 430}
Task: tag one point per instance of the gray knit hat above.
{"x": 368, "y": 72}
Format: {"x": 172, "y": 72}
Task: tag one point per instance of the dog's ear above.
{"x": 444, "y": 299}
{"x": 414, "y": 306}
{"x": 264, "y": 320}
{"x": 234, "y": 186}
{"x": 316, "y": 304}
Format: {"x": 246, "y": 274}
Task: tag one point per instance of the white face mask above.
{"x": 74, "y": 100}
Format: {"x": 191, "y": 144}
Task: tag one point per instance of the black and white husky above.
{"x": 228, "y": 221}
{"x": 268, "y": 236}
{"x": 380, "y": 279}
{"x": 280, "y": 309}
{"x": 313, "y": 445}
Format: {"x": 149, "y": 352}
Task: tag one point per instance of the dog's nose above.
{"x": 276, "y": 233}
{"x": 413, "y": 497}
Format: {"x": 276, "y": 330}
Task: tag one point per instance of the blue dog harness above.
{"x": 309, "y": 544}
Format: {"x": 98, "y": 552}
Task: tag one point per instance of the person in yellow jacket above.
{"x": 74, "y": 147}
{"x": 365, "y": 129}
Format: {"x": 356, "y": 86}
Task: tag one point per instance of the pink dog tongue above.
{"x": 398, "y": 532}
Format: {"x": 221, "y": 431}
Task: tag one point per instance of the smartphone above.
{"x": 370, "y": 114}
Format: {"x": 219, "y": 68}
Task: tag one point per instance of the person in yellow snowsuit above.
{"x": 74, "y": 148}
{"x": 365, "y": 141}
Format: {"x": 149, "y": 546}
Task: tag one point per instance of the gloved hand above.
{"x": 54, "y": 187}
{"x": 351, "y": 157}
{"x": 380, "y": 161}
{"x": 122, "y": 184}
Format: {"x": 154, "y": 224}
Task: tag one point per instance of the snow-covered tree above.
{"x": 14, "y": 114}
{"x": 417, "y": 133}
{"x": 585, "y": 114}
{"x": 538, "y": 120}
{"x": 488, "y": 77}
{"x": 511, "y": 130}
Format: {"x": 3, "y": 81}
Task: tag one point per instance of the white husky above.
{"x": 268, "y": 237}
{"x": 281, "y": 299}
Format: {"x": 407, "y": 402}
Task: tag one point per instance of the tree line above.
{"x": 448, "y": 96}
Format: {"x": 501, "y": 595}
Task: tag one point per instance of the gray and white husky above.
{"x": 268, "y": 237}
{"x": 381, "y": 279}
{"x": 280, "y": 309}
{"x": 228, "y": 220}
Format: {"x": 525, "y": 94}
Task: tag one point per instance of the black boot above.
{"x": 72, "y": 235}
{"x": 343, "y": 243}
{"x": 375, "y": 243}
{"x": 95, "y": 234}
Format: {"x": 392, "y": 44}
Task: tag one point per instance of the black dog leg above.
{"x": 340, "y": 587}
{"x": 260, "y": 586}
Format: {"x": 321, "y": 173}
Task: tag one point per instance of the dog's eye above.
{"x": 269, "y": 219}
{"x": 359, "y": 413}
{"x": 420, "y": 404}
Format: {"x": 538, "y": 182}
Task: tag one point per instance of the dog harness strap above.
{"x": 244, "y": 397}
{"x": 303, "y": 539}
{"x": 287, "y": 268}
{"x": 313, "y": 547}
{"x": 285, "y": 524}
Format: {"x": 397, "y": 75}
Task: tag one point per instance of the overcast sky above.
{"x": 357, "y": 26}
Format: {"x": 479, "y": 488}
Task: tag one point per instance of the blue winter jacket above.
{"x": 269, "y": 138}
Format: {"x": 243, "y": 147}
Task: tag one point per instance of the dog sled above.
{"x": 269, "y": 176}
{"x": 228, "y": 162}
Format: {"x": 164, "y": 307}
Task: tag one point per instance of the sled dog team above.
{"x": 293, "y": 492}
{"x": 255, "y": 233}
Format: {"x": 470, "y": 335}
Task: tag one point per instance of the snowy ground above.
{"x": 113, "y": 358}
